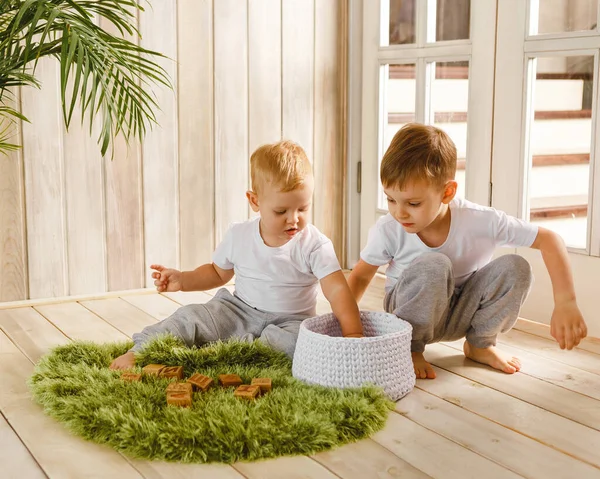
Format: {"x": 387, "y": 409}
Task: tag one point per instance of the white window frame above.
{"x": 509, "y": 156}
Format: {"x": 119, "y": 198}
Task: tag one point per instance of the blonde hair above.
{"x": 418, "y": 152}
{"x": 283, "y": 164}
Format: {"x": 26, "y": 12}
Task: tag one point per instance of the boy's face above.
{"x": 283, "y": 215}
{"x": 419, "y": 203}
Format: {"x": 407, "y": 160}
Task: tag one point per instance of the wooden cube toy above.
{"x": 182, "y": 399}
{"x": 172, "y": 372}
{"x": 263, "y": 383}
{"x": 247, "y": 391}
{"x": 179, "y": 388}
{"x": 201, "y": 382}
{"x": 131, "y": 377}
{"x": 229, "y": 380}
{"x": 153, "y": 369}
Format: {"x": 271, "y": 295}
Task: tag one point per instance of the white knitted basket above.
{"x": 381, "y": 358}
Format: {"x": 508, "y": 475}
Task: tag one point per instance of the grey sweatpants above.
{"x": 487, "y": 304}
{"x": 226, "y": 316}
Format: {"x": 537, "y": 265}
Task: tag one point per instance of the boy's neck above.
{"x": 436, "y": 234}
{"x": 270, "y": 242}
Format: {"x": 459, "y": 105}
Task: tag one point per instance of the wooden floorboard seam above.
{"x": 464, "y": 446}
{"x": 24, "y": 445}
{"x": 517, "y": 431}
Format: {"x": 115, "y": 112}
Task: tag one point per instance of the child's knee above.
{"x": 189, "y": 311}
{"x": 279, "y": 339}
{"x": 437, "y": 262}
{"x": 517, "y": 270}
{"x": 432, "y": 269}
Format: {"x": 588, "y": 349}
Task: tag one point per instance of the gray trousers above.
{"x": 226, "y": 316}
{"x": 487, "y": 304}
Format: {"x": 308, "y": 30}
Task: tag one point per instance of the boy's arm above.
{"x": 205, "y": 277}
{"x": 567, "y": 325}
{"x": 343, "y": 305}
{"x": 360, "y": 277}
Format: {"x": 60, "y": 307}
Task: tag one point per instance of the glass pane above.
{"x": 560, "y": 142}
{"x": 452, "y": 20}
{"x": 449, "y": 102}
{"x": 402, "y": 21}
{"x": 399, "y": 85}
{"x": 556, "y": 16}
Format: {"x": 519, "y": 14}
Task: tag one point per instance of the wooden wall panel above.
{"x": 245, "y": 73}
{"x": 196, "y": 147}
{"x": 124, "y": 217}
{"x": 298, "y": 50}
{"x": 44, "y": 184}
{"x": 158, "y": 28}
{"x": 124, "y": 210}
{"x": 264, "y": 72}
{"x": 13, "y": 242}
{"x": 84, "y": 190}
{"x": 231, "y": 113}
{"x": 328, "y": 153}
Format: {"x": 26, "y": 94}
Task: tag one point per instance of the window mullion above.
{"x": 431, "y": 20}
{"x": 533, "y": 18}
{"x": 421, "y": 91}
{"x": 421, "y": 22}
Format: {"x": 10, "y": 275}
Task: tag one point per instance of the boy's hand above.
{"x": 166, "y": 279}
{"x": 567, "y": 325}
{"x": 125, "y": 361}
{"x": 354, "y": 335}
{"x": 342, "y": 303}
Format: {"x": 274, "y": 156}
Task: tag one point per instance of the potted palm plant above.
{"x": 106, "y": 74}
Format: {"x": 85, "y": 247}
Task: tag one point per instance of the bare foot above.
{"x": 423, "y": 370}
{"x": 493, "y": 357}
{"x": 125, "y": 361}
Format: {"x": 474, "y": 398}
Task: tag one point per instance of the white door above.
{"x": 429, "y": 61}
{"x": 545, "y": 131}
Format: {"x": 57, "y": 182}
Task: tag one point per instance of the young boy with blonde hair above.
{"x": 277, "y": 258}
{"x": 440, "y": 276}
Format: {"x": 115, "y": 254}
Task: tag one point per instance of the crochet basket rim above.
{"x": 404, "y": 327}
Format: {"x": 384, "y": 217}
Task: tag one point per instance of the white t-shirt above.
{"x": 475, "y": 232}
{"x": 277, "y": 279}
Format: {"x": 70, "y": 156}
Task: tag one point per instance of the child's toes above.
{"x": 509, "y": 368}
{"x": 515, "y": 363}
{"x": 429, "y": 372}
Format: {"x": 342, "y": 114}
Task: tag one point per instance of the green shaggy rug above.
{"x": 75, "y": 386}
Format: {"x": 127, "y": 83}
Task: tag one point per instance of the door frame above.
{"x": 365, "y": 118}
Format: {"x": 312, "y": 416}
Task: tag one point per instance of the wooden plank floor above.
{"x": 470, "y": 422}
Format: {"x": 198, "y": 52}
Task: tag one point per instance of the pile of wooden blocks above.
{"x": 180, "y": 393}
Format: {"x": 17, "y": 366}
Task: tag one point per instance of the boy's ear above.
{"x": 449, "y": 191}
{"x": 253, "y": 200}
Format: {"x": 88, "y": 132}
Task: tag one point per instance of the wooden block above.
{"x": 179, "y": 388}
{"x": 153, "y": 369}
{"x": 263, "y": 383}
{"x": 199, "y": 381}
{"x": 182, "y": 399}
{"x": 247, "y": 391}
{"x": 131, "y": 377}
{"x": 228, "y": 380}
{"x": 172, "y": 372}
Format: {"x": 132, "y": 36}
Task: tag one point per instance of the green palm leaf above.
{"x": 105, "y": 74}
{"x": 8, "y": 117}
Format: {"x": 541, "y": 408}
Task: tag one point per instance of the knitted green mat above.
{"x": 74, "y": 385}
